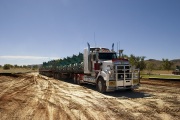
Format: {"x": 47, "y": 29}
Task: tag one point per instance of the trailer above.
{"x": 98, "y": 66}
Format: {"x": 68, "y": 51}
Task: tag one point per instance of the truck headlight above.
{"x": 110, "y": 73}
{"x": 107, "y": 71}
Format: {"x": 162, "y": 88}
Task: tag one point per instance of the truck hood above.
{"x": 108, "y": 64}
{"x": 116, "y": 61}
{"x": 120, "y": 61}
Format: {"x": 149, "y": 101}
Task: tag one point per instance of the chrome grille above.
{"x": 123, "y": 72}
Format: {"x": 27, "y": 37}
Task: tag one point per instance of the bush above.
{"x": 35, "y": 67}
{"x": 7, "y": 66}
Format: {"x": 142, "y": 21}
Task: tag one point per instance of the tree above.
{"x": 7, "y": 66}
{"x": 137, "y": 61}
{"x": 125, "y": 56}
{"x": 166, "y": 64}
{"x": 35, "y": 67}
{"x": 16, "y": 66}
{"x": 142, "y": 64}
{"x": 132, "y": 60}
{"x": 150, "y": 66}
{"x": 25, "y": 66}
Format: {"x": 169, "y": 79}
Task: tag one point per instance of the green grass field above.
{"x": 161, "y": 76}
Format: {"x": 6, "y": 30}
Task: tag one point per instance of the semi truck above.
{"x": 99, "y": 66}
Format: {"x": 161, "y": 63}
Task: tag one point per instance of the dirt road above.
{"x": 35, "y": 97}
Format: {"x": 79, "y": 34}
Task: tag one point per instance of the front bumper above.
{"x": 111, "y": 88}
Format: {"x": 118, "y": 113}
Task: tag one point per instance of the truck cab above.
{"x": 103, "y": 68}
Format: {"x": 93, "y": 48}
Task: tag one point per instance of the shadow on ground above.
{"x": 120, "y": 94}
{"x": 125, "y": 94}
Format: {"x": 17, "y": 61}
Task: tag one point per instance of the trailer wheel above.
{"x": 75, "y": 79}
{"x": 78, "y": 80}
{"x": 101, "y": 85}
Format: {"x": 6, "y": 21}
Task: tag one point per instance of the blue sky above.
{"x": 33, "y": 31}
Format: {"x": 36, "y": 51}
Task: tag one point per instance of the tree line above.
{"x": 9, "y": 66}
{"x": 139, "y": 62}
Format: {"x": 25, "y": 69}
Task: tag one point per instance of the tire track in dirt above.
{"x": 8, "y": 86}
{"x": 14, "y": 99}
{"x": 39, "y": 97}
{"x": 115, "y": 109}
{"x": 90, "y": 104}
{"x": 45, "y": 102}
{"x": 164, "y": 101}
{"x": 71, "y": 106}
{"x": 17, "y": 86}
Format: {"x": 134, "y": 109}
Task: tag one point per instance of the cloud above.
{"x": 25, "y": 60}
{"x": 29, "y": 57}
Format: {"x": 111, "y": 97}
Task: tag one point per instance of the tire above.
{"x": 78, "y": 81}
{"x": 58, "y": 76}
{"x": 130, "y": 90}
{"x": 101, "y": 85}
{"x": 75, "y": 79}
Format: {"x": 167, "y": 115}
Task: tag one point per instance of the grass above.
{"x": 164, "y": 74}
{"x": 17, "y": 70}
{"x": 157, "y": 72}
{"x": 161, "y": 76}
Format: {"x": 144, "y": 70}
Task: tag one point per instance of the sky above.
{"x": 35, "y": 31}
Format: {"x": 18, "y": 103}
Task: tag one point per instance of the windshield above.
{"x": 107, "y": 56}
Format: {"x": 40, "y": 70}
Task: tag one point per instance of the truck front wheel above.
{"x": 101, "y": 85}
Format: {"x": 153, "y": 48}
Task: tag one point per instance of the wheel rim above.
{"x": 99, "y": 85}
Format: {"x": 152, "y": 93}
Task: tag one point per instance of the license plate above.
{"x": 112, "y": 83}
{"x": 135, "y": 81}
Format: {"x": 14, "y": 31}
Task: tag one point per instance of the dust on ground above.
{"x": 36, "y": 97}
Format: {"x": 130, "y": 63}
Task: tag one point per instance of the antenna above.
{"x": 94, "y": 39}
{"x": 117, "y": 47}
